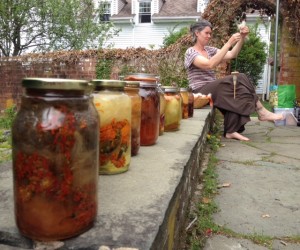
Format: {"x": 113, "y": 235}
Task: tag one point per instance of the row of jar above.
{"x": 56, "y": 150}
{"x": 154, "y": 110}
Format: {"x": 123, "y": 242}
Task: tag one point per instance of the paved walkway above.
{"x": 263, "y": 198}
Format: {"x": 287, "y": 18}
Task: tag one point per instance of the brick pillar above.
{"x": 289, "y": 60}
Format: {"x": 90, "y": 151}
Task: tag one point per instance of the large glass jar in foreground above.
{"x": 114, "y": 108}
{"x": 132, "y": 90}
{"x": 150, "y": 107}
{"x": 55, "y": 159}
{"x": 173, "y": 111}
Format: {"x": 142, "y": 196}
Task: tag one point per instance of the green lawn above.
{"x": 5, "y": 146}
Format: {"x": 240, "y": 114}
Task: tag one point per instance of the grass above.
{"x": 5, "y": 146}
{"x": 6, "y": 120}
{"x": 205, "y": 209}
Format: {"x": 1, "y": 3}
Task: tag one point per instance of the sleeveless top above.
{"x": 198, "y": 77}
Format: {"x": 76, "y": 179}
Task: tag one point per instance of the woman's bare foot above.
{"x": 266, "y": 115}
{"x": 237, "y": 136}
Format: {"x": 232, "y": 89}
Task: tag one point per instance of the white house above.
{"x": 145, "y": 23}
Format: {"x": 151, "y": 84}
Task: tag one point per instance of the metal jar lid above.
{"x": 56, "y": 84}
{"x": 132, "y": 84}
{"x": 148, "y": 84}
{"x": 171, "y": 89}
{"x": 183, "y": 90}
{"x": 108, "y": 83}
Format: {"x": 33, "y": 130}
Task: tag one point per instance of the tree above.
{"x": 48, "y": 25}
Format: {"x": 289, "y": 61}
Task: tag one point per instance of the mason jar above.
{"x": 132, "y": 90}
{"x": 150, "y": 107}
{"x": 191, "y": 103}
{"x": 114, "y": 108}
{"x": 173, "y": 111}
{"x": 55, "y": 150}
{"x": 162, "y": 108}
{"x": 185, "y": 102}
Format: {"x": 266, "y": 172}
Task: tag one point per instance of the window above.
{"x": 145, "y": 12}
{"x": 104, "y": 12}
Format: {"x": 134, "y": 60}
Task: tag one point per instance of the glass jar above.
{"x": 114, "y": 107}
{"x": 55, "y": 150}
{"x": 150, "y": 107}
{"x": 191, "y": 103}
{"x": 173, "y": 112}
{"x": 162, "y": 108}
{"x": 132, "y": 90}
{"x": 185, "y": 102}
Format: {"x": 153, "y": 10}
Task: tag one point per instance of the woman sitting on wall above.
{"x": 236, "y": 103}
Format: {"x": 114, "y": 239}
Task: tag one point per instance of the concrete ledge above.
{"x": 144, "y": 208}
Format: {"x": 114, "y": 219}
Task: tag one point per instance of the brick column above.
{"x": 289, "y": 59}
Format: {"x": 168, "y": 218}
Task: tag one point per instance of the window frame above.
{"x": 144, "y": 11}
{"x": 105, "y": 11}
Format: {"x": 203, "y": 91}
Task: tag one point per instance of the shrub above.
{"x": 252, "y": 57}
{"x": 104, "y": 69}
{"x": 170, "y": 67}
{"x": 174, "y": 36}
{"x": 7, "y": 119}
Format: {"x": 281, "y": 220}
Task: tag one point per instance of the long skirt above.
{"x": 236, "y": 110}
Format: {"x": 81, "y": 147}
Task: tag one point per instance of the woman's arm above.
{"x": 223, "y": 54}
{"x": 210, "y": 63}
{"x": 233, "y": 53}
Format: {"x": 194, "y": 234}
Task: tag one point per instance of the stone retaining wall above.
{"x": 144, "y": 208}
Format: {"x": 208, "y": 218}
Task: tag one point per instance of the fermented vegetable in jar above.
{"x": 162, "y": 108}
{"x": 114, "y": 108}
{"x": 173, "y": 111}
{"x": 150, "y": 113}
{"x": 191, "y": 103}
{"x": 185, "y": 102}
{"x": 132, "y": 90}
{"x": 150, "y": 107}
{"x": 55, "y": 149}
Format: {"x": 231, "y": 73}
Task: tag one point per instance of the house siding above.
{"x": 134, "y": 6}
{"x": 149, "y": 36}
{"x": 155, "y": 6}
{"x": 114, "y": 7}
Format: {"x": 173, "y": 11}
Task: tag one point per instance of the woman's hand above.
{"x": 234, "y": 39}
{"x": 244, "y": 31}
